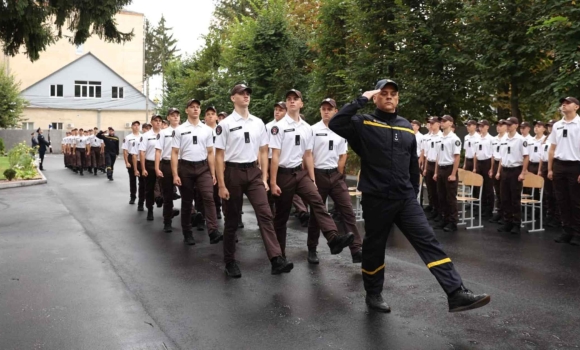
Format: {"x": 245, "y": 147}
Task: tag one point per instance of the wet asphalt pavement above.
{"x": 80, "y": 268}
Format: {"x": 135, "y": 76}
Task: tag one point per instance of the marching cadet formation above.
{"x": 288, "y": 163}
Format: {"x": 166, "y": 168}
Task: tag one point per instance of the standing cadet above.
{"x": 95, "y": 153}
{"x": 42, "y": 145}
{"x": 240, "y": 137}
{"x": 72, "y": 150}
{"x": 550, "y": 203}
{"x": 446, "y": 174}
{"x": 501, "y": 129}
{"x": 482, "y": 166}
{"x": 111, "y": 152}
{"x": 432, "y": 145}
{"x": 128, "y": 143}
{"x": 512, "y": 169}
{"x": 64, "y": 145}
{"x": 211, "y": 119}
{"x": 329, "y": 153}
{"x": 292, "y": 172}
{"x": 418, "y": 136}
{"x": 221, "y": 116}
{"x": 564, "y": 169}
{"x": 535, "y": 149}
{"x": 163, "y": 149}
{"x": 525, "y": 132}
{"x": 147, "y": 156}
{"x": 193, "y": 166}
{"x": 469, "y": 143}
{"x": 389, "y": 182}
{"x": 137, "y": 165}
{"x": 81, "y": 149}
{"x": 279, "y": 113}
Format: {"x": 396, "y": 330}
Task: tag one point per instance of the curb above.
{"x": 24, "y": 183}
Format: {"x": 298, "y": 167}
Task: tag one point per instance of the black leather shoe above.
{"x": 376, "y": 302}
{"x": 149, "y": 214}
{"x": 438, "y": 218}
{"x": 304, "y": 217}
{"x": 140, "y": 207}
{"x": 111, "y": 178}
{"x": 313, "y": 257}
{"x": 81, "y": 173}
{"x": 195, "y": 219}
{"x": 495, "y": 218}
{"x": 159, "y": 202}
{"x": 516, "y": 229}
{"x": 575, "y": 241}
{"x": 200, "y": 225}
{"x": 132, "y": 201}
{"x": 95, "y": 174}
{"x": 175, "y": 213}
{"x": 232, "y": 270}
{"x": 463, "y": 300}
{"x": 450, "y": 227}
{"x": 357, "y": 257}
{"x": 215, "y": 237}
{"x": 428, "y": 209}
{"x": 440, "y": 225}
{"x": 434, "y": 214}
{"x": 188, "y": 238}
{"x": 281, "y": 265}
{"x": 241, "y": 225}
{"x": 564, "y": 238}
{"x": 176, "y": 196}
{"x": 507, "y": 227}
{"x": 167, "y": 227}
{"x": 338, "y": 243}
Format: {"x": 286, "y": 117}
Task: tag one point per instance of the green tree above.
{"x": 11, "y": 104}
{"x": 37, "y": 24}
{"x": 164, "y": 48}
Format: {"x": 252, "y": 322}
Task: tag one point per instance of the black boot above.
{"x": 195, "y": 219}
{"x": 240, "y": 225}
{"x": 232, "y": 270}
{"x": 140, "y": 207}
{"x": 376, "y": 302}
{"x": 304, "y": 217}
{"x": 90, "y": 170}
{"x": 313, "y": 257}
{"x": 338, "y": 243}
{"x": 565, "y": 237}
{"x": 450, "y": 227}
{"x": 495, "y": 218}
{"x": 357, "y": 257}
{"x": 463, "y": 300}
{"x": 132, "y": 201}
{"x": 188, "y": 238}
{"x": 167, "y": 227}
{"x": 507, "y": 227}
{"x": 281, "y": 265}
{"x": 434, "y": 214}
{"x": 440, "y": 225}
{"x": 149, "y": 214}
{"x": 175, "y": 213}
{"x": 201, "y": 224}
{"x": 428, "y": 209}
{"x": 159, "y": 202}
{"x": 215, "y": 237}
{"x": 516, "y": 229}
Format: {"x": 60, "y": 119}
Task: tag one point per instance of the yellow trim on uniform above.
{"x": 375, "y": 271}
{"x": 439, "y": 262}
{"x": 368, "y": 122}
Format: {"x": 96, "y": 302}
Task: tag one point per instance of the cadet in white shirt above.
{"x": 512, "y": 169}
{"x": 482, "y": 165}
{"x": 329, "y": 153}
{"x": 431, "y": 148}
{"x": 525, "y": 129}
{"x": 64, "y": 146}
{"x": 564, "y": 169}
{"x": 549, "y": 201}
{"x": 535, "y": 150}
{"x": 134, "y": 150}
{"x": 501, "y": 129}
{"x": 240, "y": 137}
{"x": 82, "y": 147}
{"x": 418, "y": 136}
{"x": 101, "y": 158}
{"x": 211, "y": 120}
{"x": 292, "y": 172}
{"x": 147, "y": 154}
{"x": 448, "y": 154}
{"x": 469, "y": 144}
{"x": 95, "y": 157}
{"x": 193, "y": 166}
{"x": 72, "y": 150}
{"x": 128, "y": 143}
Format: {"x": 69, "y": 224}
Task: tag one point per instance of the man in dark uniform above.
{"x": 389, "y": 182}
{"x": 33, "y": 142}
{"x": 42, "y": 145}
{"x": 111, "y": 150}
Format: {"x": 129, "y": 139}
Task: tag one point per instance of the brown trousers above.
{"x": 248, "y": 181}
{"x": 447, "y": 191}
{"x": 198, "y": 177}
{"x": 497, "y": 187}
{"x": 549, "y": 199}
{"x": 150, "y": 181}
{"x": 511, "y": 195}
{"x": 298, "y": 204}
{"x": 81, "y": 158}
{"x": 432, "y": 186}
{"x": 567, "y": 191}
{"x": 95, "y": 157}
{"x": 167, "y": 190}
{"x": 333, "y": 185}
{"x": 483, "y": 167}
{"x": 299, "y": 183}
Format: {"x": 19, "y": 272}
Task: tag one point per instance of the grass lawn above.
{"x": 3, "y": 166}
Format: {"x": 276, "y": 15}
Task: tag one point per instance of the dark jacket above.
{"x": 387, "y": 147}
{"x": 42, "y": 143}
{"x": 33, "y": 141}
{"x": 111, "y": 143}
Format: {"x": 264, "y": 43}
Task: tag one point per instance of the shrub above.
{"x": 9, "y": 174}
{"x": 21, "y": 159}
{"x": 2, "y": 147}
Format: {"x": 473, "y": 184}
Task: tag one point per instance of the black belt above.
{"x": 469, "y": 158}
{"x": 200, "y": 162}
{"x": 431, "y": 161}
{"x": 166, "y": 161}
{"x": 510, "y": 168}
{"x": 149, "y": 161}
{"x": 483, "y": 160}
{"x": 567, "y": 162}
{"x": 535, "y": 163}
{"x": 326, "y": 171}
{"x": 241, "y": 165}
{"x": 445, "y": 166}
{"x": 289, "y": 170}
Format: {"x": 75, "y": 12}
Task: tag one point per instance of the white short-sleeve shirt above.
{"x": 81, "y": 141}
{"x": 469, "y": 144}
{"x": 193, "y": 141}
{"x": 496, "y": 144}
{"x": 432, "y": 146}
{"x": 241, "y": 138}
{"x": 484, "y": 147}
{"x": 293, "y": 139}
{"x": 449, "y": 146}
{"x": 165, "y": 142}
{"x": 419, "y": 137}
{"x": 513, "y": 151}
{"x": 147, "y": 144}
{"x": 566, "y": 136}
{"x": 327, "y": 147}
{"x": 129, "y": 141}
{"x": 535, "y": 149}
{"x": 268, "y": 130}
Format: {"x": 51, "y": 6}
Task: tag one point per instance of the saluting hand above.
{"x": 177, "y": 181}
{"x": 370, "y": 94}
{"x": 159, "y": 173}
{"x": 224, "y": 193}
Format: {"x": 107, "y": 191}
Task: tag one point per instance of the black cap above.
{"x": 448, "y": 118}
{"x": 570, "y": 99}
{"x": 211, "y": 108}
{"x": 173, "y": 110}
{"x": 483, "y": 122}
{"x": 136, "y": 122}
{"x": 552, "y": 122}
{"x": 434, "y": 119}
{"x": 382, "y": 83}
{"x": 240, "y": 88}
{"x": 295, "y": 92}
{"x": 192, "y": 101}
{"x": 512, "y": 120}
{"x": 416, "y": 122}
{"x": 224, "y": 114}
{"x": 280, "y": 104}
{"x": 471, "y": 122}
{"x": 330, "y": 101}
{"x": 539, "y": 123}
{"x": 156, "y": 116}
{"x": 525, "y": 125}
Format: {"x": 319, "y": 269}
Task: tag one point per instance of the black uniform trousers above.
{"x": 549, "y": 200}
{"x": 483, "y": 167}
{"x": 511, "y": 195}
{"x": 81, "y": 158}
{"x": 110, "y": 158}
{"x": 567, "y": 191}
{"x": 141, "y": 187}
{"x": 497, "y": 187}
{"x": 469, "y": 167}
{"x": 379, "y": 215}
{"x": 150, "y": 181}
{"x": 41, "y": 156}
{"x": 167, "y": 190}
{"x": 132, "y": 179}
{"x": 447, "y": 191}
{"x": 432, "y": 186}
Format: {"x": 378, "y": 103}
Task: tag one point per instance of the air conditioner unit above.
{"x": 127, "y": 125}
{"x": 71, "y": 125}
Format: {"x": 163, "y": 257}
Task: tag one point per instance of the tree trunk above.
{"x": 515, "y": 100}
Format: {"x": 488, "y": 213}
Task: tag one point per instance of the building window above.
{"x": 87, "y": 89}
{"x": 56, "y": 90}
{"x": 57, "y": 126}
{"x": 118, "y": 92}
{"x": 28, "y": 126}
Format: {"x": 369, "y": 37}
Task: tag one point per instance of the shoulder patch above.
{"x": 158, "y": 136}
{"x": 525, "y": 143}
{"x": 275, "y": 130}
{"x": 457, "y": 143}
{"x": 218, "y": 130}
{"x": 173, "y": 133}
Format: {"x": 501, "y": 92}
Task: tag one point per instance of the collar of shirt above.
{"x": 288, "y": 119}
{"x": 576, "y": 120}
{"x": 238, "y": 117}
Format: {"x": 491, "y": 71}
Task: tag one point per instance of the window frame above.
{"x": 87, "y": 88}
{"x": 120, "y": 91}
{"x": 56, "y": 91}
{"x": 55, "y": 125}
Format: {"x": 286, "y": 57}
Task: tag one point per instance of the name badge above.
{"x": 432, "y": 144}
{"x": 195, "y": 140}
{"x": 321, "y": 134}
{"x": 481, "y": 147}
{"x": 497, "y": 149}
{"x": 214, "y": 139}
{"x": 565, "y": 133}
{"x": 330, "y": 145}
{"x": 247, "y": 137}
{"x": 442, "y": 147}
{"x": 289, "y": 130}
{"x": 509, "y": 150}
{"x": 535, "y": 149}
{"x": 296, "y": 140}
